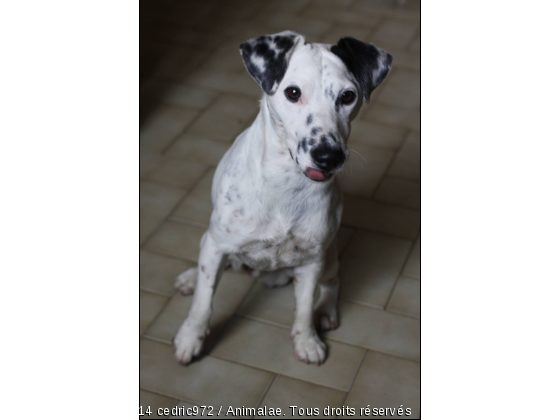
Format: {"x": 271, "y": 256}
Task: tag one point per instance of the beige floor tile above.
{"x": 366, "y": 283}
{"x": 158, "y": 199}
{"x": 157, "y": 273}
{"x": 380, "y": 135}
{"x": 179, "y": 173}
{"x": 287, "y": 6}
{"x": 405, "y": 59}
{"x": 171, "y": 63}
{"x": 203, "y": 188}
{"x": 415, "y": 45}
{"x": 406, "y": 297}
{"x": 412, "y": 267}
{"x": 364, "y": 169}
{"x": 277, "y": 22}
{"x": 343, "y": 237}
{"x": 401, "y": 88}
{"x": 186, "y": 38}
{"x": 149, "y": 161}
{"x": 386, "y": 382}
{"x": 394, "y": 115}
{"x": 338, "y": 5}
{"x": 177, "y": 240}
{"x": 407, "y": 162}
{"x": 318, "y": 11}
{"x": 380, "y": 217}
{"x": 229, "y": 293}
{"x": 150, "y": 305}
{"x": 378, "y": 330}
{"x": 393, "y": 33}
{"x": 148, "y": 224}
{"x": 274, "y": 305}
{"x": 199, "y": 149}
{"x": 399, "y": 191}
{"x": 225, "y": 58}
{"x": 269, "y": 347}
{"x": 228, "y": 81}
{"x": 286, "y": 392}
{"x": 370, "y": 266}
{"x": 163, "y": 124}
{"x": 208, "y": 381}
{"x": 194, "y": 211}
{"x": 191, "y": 96}
{"x": 373, "y": 7}
{"x": 226, "y": 118}
{"x": 155, "y": 402}
{"x": 341, "y": 31}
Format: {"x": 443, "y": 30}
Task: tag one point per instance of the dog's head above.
{"x": 313, "y": 92}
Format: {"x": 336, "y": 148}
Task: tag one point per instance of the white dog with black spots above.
{"x": 276, "y": 204}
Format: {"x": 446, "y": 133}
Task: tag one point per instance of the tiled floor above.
{"x": 196, "y": 97}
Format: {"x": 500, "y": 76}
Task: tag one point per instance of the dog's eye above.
{"x": 348, "y": 97}
{"x": 293, "y": 93}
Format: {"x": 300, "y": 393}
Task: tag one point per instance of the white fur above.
{"x": 269, "y": 215}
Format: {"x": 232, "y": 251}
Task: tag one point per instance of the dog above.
{"x": 276, "y": 204}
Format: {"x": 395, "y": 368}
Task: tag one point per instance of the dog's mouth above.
{"x": 317, "y": 175}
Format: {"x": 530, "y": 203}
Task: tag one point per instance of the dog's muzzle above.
{"x": 328, "y": 159}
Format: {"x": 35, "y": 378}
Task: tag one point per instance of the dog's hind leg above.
{"x": 277, "y": 278}
{"x": 190, "y": 337}
{"x": 326, "y": 307}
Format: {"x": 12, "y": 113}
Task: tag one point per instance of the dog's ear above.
{"x": 266, "y": 58}
{"x": 368, "y": 63}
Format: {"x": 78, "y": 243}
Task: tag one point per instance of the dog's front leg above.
{"x": 307, "y": 345}
{"x": 190, "y": 337}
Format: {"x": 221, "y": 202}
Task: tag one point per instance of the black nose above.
{"x": 328, "y": 158}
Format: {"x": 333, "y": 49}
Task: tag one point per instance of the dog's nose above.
{"x": 328, "y": 158}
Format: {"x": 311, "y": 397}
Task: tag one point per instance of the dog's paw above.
{"x": 186, "y": 281}
{"x": 326, "y": 317}
{"x": 187, "y": 343}
{"x": 309, "y": 348}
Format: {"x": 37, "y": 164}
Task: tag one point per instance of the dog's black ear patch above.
{"x": 266, "y": 58}
{"x": 368, "y": 63}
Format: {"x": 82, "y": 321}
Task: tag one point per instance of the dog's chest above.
{"x": 287, "y": 250}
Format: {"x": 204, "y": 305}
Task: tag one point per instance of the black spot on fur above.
{"x": 316, "y": 130}
{"x": 298, "y": 146}
{"x": 368, "y": 63}
{"x": 332, "y": 136}
{"x": 292, "y": 156}
{"x": 297, "y": 161}
{"x": 312, "y": 142}
{"x": 309, "y": 119}
{"x": 304, "y": 144}
{"x": 275, "y": 64}
{"x": 323, "y": 139}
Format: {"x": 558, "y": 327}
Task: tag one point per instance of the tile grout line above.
{"x": 399, "y": 275}
{"x": 354, "y": 379}
{"x": 175, "y": 207}
{"x": 235, "y": 362}
{"x": 390, "y": 165}
{"x": 266, "y": 392}
{"x": 333, "y": 339}
{"x": 189, "y": 125}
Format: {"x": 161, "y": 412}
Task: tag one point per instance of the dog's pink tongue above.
{"x": 316, "y": 174}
